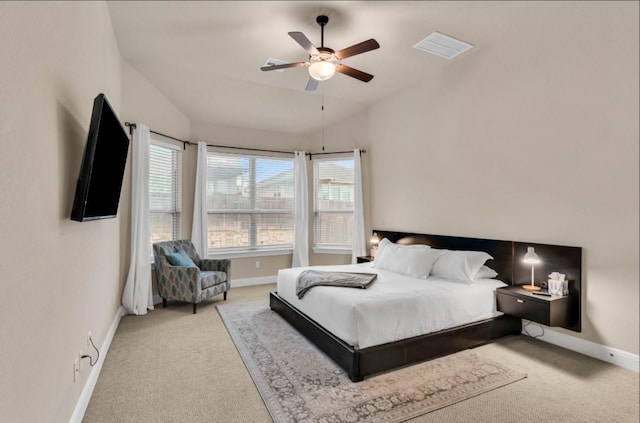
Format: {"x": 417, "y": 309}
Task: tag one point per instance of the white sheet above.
{"x": 394, "y": 307}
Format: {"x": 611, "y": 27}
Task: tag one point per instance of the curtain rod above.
{"x": 132, "y": 126}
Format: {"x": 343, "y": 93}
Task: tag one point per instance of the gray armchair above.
{"x": 190, "y": 284}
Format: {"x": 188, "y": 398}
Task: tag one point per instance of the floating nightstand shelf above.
{"x": 550, "y": 311}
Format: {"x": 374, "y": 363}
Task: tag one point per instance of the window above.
{"x": 334, "y": 194}
{"x": 164, "y": 192}
{"x": 249, "y": 203}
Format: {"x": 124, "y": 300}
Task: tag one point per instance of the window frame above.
{"x": 175, "y": 213}
{"x": 328, "y": 248}
{"x": 253, "y": 250}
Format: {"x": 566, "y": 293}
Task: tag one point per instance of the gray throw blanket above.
{"x": 310, "y": 278}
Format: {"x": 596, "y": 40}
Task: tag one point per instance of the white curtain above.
{"x": 136, "y": 297}
{"x": 359, "y": 244}
{"x": 301, "y": 213}
{"x": 199, "y": 226}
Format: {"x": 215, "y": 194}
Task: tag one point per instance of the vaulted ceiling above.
{"x": 206, "y": 56}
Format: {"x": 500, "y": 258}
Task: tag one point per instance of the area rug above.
{"x": 299, "y": 383}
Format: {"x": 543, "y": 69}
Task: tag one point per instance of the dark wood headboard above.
{"x": 507, "y": 260}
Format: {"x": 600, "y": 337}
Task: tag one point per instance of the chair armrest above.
{"x": 191, "y": 273}
{"x": 216, "y": 265}
{"x": 188, "y": 269}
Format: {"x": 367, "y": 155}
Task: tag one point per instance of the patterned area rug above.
{"x": 298, "y": 383}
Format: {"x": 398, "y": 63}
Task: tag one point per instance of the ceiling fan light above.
{"x": 322, "y": 70}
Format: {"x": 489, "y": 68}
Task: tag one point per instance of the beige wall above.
{"x": 142, "y": 102}
{"x": 532, "y": 139}
{"x": 60, "y": 279}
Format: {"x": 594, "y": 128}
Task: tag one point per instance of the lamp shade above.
{"x": 322, "y": 70}
{"x": 374, "y": 244}
{"x": 531, "y": 257}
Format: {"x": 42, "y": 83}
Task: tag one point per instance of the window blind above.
{"x": 164, "y": 192}
{"x": 250, "y": 201}
{"x": 334, "y": 200}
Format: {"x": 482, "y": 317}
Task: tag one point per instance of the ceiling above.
{"x": 205, "y": 56}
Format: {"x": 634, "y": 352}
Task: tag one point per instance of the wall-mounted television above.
{"x": 103, "y": 164}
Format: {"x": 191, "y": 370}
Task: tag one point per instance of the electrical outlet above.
{"x": 76, "y": 368}
{"x": 257, "y": 265}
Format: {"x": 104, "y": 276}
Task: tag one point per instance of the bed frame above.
{"x": 360, "y": 363}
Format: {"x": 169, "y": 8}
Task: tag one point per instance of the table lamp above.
{"x": 374, "y": 244}
{"x": 531, "y": 258}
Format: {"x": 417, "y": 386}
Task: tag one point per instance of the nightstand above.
{"x": 364, "y": 259}
{"x": 549, "y": 311}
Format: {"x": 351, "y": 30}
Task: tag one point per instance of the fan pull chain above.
{"x": 322, "y": 111}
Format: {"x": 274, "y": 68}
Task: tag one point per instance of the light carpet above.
{"x": 299, "y": 383}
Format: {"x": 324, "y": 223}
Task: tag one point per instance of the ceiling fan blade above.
{"x": 312, "y": 84}
{"x": 286, "y": 65}
{"x": 359, "y": 48}
{"x": 355, "y": 73}
{"x": 304, "y": 42}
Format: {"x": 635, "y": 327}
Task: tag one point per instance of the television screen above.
{"x": 103, "y": 164}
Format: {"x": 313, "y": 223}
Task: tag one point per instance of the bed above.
{"x": 393, "y": 308}
{"x": 386, "y": 326}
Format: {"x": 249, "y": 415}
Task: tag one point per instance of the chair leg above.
{"x": 194, "y": 308}
{"x": 164, "y": 302}
{"x": 225, "y": 295}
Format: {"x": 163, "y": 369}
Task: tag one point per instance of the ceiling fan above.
{"x": 324, "y": 62}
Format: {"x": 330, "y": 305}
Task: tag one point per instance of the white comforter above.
{"x": 394, "y": 307}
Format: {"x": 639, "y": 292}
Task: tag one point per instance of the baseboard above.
{"x": 611, "y": 355}
{"x": 261, "y": 280}
{"x": 87, "y": 391}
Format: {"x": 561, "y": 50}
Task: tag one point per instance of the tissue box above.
{"x": 558, "y": 288}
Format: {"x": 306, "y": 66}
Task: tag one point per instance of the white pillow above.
{"x": 410, "y": 260}
{"x": 485, "y": 272}
{"x": 385, "y": 242}
{"x": 381, "y": 247}
{"x": 459, "y": 265}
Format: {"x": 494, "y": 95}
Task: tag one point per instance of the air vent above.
{"x": 273, "y": 62}
{"x": 443, "y": 45}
